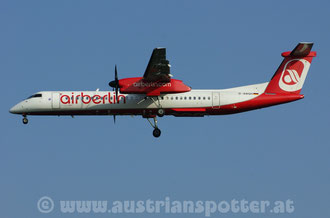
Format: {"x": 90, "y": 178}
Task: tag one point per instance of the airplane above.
{"x": 158, "y": 94}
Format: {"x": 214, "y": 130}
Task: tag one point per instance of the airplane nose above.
{"x": 13, "y": 110}
{"x": 17, "y": 109}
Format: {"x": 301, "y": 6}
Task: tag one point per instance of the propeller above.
{"x": 115, "y": 85}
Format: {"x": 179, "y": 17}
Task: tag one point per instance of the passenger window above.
{"x": 185, "y": 98}
{"x": 209, "y": 98}
{"x": 194, "y": 98}
{"x": 189, "y": 98}
{"x": 176, "y": 98}
{"x": 204, "y": 98}
{"x": 199, "y": 98}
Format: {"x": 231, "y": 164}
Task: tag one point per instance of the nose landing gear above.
{"x": 156, "y": 133}
{"x": 25, "y": 120}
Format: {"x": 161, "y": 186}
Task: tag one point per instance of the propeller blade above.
{"x": 117, "y": 82}
{"x": 116, "y": 93}
{"x": 116, "y": 73}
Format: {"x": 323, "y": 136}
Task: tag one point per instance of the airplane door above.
{"x": 215, "y": 100}
{"x": 55, "y": 100}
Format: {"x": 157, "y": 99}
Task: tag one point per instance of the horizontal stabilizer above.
{"x": 303, "y": 49}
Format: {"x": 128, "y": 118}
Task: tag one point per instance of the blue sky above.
{"x": 276, "y": 153}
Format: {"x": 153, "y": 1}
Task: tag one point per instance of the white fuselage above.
{"x": 105, "y": 103}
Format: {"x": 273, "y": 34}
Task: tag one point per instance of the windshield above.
{"x": 35, "y": 96}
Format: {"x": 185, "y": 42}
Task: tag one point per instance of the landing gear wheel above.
{"x": 25, "y": 120}
{"x": 160, "y": 112}
{"x": 156, "y": 132}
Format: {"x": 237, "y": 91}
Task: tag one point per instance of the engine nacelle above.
{"x": 137, "y": 85}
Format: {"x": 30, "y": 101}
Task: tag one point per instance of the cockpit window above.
{"x": 35, "y": 96}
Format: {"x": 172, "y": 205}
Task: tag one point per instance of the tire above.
{"x": 160, "y": 112}
{"x": 25, "y": 120}
{"x": 156, "y": 133}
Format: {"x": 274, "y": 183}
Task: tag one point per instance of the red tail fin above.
{"x": 291, "y": 74}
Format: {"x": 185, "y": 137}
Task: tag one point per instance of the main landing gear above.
{"x": 25, "y": 120}
{"x": 156, "y": 133}
{"x": 160, "y": 112}
{"x": 156, "y": 101}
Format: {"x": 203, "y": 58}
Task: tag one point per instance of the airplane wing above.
{"x": 158, "y": 69}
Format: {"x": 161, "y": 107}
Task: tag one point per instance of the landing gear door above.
{"x": 55, "y": 100}
{"x": 215, "y": 100}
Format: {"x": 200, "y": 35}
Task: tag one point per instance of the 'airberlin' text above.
{"x": 109, "y": 98}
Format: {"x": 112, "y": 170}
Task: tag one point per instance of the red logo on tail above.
{"x": 293, "y": 75}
